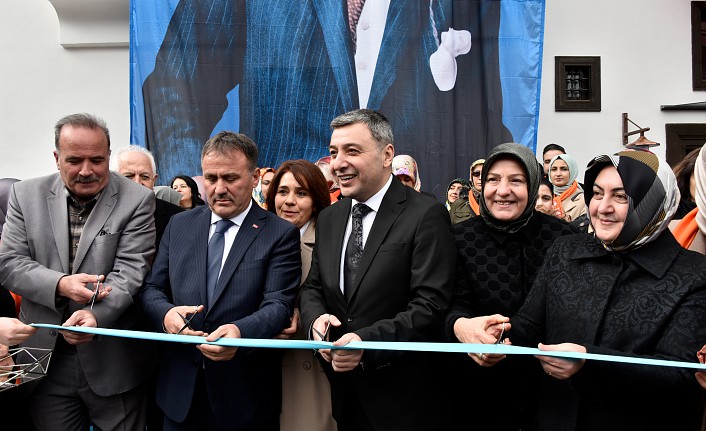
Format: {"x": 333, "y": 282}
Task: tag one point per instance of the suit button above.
{"x": 52, "y": 333}
{"x": 307, "y": 365}
{"x": 349, "y": 318}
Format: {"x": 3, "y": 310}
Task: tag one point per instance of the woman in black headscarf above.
{"x": 500, "y": 253}
{"x": 629, "y": 289}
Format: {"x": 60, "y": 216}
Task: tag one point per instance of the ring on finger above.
{"x": 482, "y": 356}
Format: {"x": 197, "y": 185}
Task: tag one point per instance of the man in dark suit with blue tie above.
{"x": 382, "y": 270}
{"x": 233, "y": 270}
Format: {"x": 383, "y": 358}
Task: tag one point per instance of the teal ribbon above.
{"x": 500, "y": 349}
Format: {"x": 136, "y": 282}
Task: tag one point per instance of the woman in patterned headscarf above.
{"x": 404, "y": 167}
{"x": 499, "y": 254}
{"x": 568, "y": 194}
{"x": 259, "y": 193}
{"x": 628, "y": 289}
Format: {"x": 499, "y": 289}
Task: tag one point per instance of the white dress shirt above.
{"x": 230, "y": 234}
{"x": 369, "y": 32}
{"x": 374, "y": 203}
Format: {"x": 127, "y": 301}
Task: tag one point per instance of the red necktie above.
{"x": 355, "y": 7}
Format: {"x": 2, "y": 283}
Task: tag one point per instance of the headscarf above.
{"x": 257, "y": 191}
{"x": 695, "y": 221}
{"x": 653, "y": 195}
{"x": 700, "y": 177}
{"x": 406, "y": 165}
{"x": 464, "y": 184}
{"x": 527, "y": 160}
{"x": 573, "y": 173}
{"x": 473, "y": 165}
{"x": 474, "y": 197}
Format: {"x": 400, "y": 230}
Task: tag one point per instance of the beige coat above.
{"x": 574, "y": 206}
{"x": 306, "y": 393}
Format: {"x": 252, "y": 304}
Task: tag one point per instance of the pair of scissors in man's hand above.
{"x": 323, "y": 336}
{"x": 187, "y": 320}
{"x": 327, "y": 326}
{"x": 98, "y": 289}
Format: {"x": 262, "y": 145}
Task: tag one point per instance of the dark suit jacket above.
{"x": 295, "y": 71}
{"x": 402, "y": 289}
{"x": 162, "y": 213}
{"x": 255, "y": 291}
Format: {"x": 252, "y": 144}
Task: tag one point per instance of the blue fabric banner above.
{"x": 455, "y": 79}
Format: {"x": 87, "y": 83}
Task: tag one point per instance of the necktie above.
{"x": 355, "y": 7}
{"x": 215, "y": 256}
{"x": 354, "y": 248}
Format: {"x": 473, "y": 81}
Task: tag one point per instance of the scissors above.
{"x": 96, "y": 292}
{"x": 187, "y": 320}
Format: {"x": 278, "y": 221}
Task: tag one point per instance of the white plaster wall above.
{"x": 645, "y": 50}
{"x": 40, "y": 82}
{"x": 644, "y": 45}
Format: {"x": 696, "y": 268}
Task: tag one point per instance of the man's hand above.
{"x": 482, "y": 330}
{"x": 346, "y": 360}
{"x": 289, "y": 332}
{"x": 79, "y": 318}
{"x": 220, "y": 353}
{"x": 6, "y": 363}
{"x": 12, "y": 331}
{"x": 321, "y": 327}
{"x": 561, "y": 368}
{"x": 80, "y": 287}
{"x": 177, "y": 319}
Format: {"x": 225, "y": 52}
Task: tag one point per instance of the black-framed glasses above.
{"x": 476, "y": 174}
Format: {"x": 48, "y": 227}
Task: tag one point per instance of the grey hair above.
{"x": 88, "y": 121}
{"x": 225, "y": 142}
{"x": 378, "y": 125}
{"x": 115, "y": 162}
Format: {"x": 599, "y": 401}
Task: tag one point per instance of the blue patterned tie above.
{"x": 215, "y": 256}
{"x": 354, "y": 248}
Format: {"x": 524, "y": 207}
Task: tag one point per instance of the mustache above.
{"x": 221, "y": 196}
{"x": 80, "y": 179}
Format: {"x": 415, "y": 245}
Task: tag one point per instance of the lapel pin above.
{"x": 255, "y": 226}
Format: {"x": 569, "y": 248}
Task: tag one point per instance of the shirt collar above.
{"x": 237, "y": 219}
{"x": 376, "y": 200}
{"x": 304, "y": 228}
{"x": 72, "y": 199}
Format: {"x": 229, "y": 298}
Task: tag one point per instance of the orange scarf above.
{"x": 556, "y": 202}
{"x": 473, "y": 203}
{"x": 686, "y": 229}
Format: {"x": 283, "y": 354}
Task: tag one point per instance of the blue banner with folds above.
{"x": 373, "y": 345}
{"x": 455, "y": 79}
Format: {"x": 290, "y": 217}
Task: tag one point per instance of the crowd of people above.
{"x": 352, "y": 248}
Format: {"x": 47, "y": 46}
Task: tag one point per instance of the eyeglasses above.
{"x": 476, "y": 174}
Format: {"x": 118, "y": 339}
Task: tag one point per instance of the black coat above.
{"x": 649, "y": 302}
{"x": 494, "y": 274}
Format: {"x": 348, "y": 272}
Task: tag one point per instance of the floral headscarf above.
{"x": 406, "y": 165}
{"x": 653, "y": 195}
{"x": 257, "y": 191}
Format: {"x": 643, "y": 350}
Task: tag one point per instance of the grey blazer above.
{"x": 117, "y": 241}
